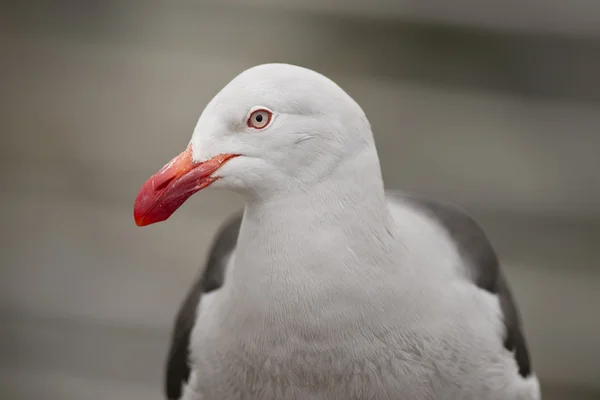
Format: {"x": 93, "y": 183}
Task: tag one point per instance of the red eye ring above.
{"x": 259, "y": 118}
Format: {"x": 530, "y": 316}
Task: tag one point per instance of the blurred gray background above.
{"x": 494, "y": 105}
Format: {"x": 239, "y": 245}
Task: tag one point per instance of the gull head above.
{"x": 275, "y": 129}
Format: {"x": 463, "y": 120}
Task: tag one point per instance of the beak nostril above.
{"x": 163, "y": 183}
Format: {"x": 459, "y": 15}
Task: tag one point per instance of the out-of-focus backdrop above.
{"x": 494, "y": 105}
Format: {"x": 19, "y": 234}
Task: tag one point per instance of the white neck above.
{"x": 330, "y": 230}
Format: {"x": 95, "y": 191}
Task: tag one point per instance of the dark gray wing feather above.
{"x": 211, "y": 278}
{"x": 475, "y": 247}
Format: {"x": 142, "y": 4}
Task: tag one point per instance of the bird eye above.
{"x": 259, "y": 119}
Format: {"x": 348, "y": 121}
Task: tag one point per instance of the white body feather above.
{"x": 422, "y": 332}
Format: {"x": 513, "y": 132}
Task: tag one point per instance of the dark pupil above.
{"x": 259, "y": 118}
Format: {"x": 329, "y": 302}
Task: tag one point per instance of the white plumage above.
{"x": 336, "y": 289}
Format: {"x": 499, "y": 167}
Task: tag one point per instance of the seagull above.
{"x": 327, "y": 286}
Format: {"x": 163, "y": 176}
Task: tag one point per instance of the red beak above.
{"x": 170, "y": 187}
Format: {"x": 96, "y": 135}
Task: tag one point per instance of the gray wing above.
{"x": 475, "y": 247}
{"x": 211, "y": 278}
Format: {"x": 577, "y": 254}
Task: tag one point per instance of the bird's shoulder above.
{"x": 481, "y": 261}
{"x": 467, "y": 236}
